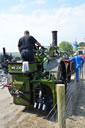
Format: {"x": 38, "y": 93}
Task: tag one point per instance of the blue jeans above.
{"x": 77, "y": 72}
{"x": 27, "y": 55}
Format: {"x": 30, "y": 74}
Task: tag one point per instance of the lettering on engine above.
{"x": 16, "y": 67}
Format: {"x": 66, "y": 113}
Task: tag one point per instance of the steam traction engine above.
{"x": 36, "y": 86}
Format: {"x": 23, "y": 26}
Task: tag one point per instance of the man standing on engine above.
{"x": 26, "y": 45}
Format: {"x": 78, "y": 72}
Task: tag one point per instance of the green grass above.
{"x": 15, "y": 54}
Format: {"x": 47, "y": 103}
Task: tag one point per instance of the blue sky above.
{"x": 27, "y": 6}
{"x": 7, "y": 4}
{"x": 40, "y": 17}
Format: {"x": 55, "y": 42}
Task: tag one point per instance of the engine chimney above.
{"x": 54, "y": 38}
{"x": 4, "y": 52}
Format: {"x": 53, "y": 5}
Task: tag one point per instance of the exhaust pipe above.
{"x": 54, "y": 38}
{"x": 4, "y": 52}
{"x": 39, "y": 105}
{"x": 40, "y": 102}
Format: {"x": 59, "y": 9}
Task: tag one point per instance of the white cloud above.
{"x": 69, "y": 22}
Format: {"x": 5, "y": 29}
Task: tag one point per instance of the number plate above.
{"x": 16, "y": 67}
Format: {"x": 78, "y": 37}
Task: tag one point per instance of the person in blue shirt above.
{"x": 78, "y": 61}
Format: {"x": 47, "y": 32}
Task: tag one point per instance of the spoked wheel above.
{"x": 61, "y": 72}
{"x": 68, "y": 74}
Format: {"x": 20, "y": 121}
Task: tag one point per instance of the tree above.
{"x": 82, "y": 44}
{"x": 66, "y": 46}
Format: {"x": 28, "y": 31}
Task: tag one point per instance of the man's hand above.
{"x": 38, "y": 44}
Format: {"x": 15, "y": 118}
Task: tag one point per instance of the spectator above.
{"x": 78, "y": 61}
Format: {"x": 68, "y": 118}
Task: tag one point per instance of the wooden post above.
{"x": 60, "y": 90}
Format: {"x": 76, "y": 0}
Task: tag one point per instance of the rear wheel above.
{"x": 62, "y": 72}
{"x": 68, "y": 74}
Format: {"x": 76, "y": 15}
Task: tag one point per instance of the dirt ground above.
{"x": 78, "y": 118}
{"x": 13, "y": 116}
{"x": 7, "y": 109}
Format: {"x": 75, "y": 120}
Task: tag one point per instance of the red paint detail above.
{"x": 69, "y": 64}
{"x": 67, "y": 61}
{"x": 83, "y": 56}
{"x": 8, "y": 85}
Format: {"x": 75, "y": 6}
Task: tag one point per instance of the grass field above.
{"x": 16, "y": 54}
